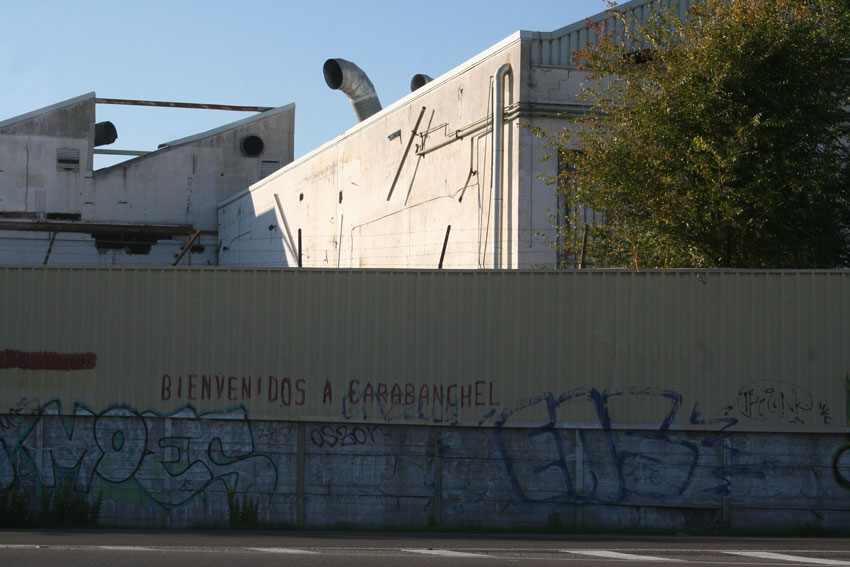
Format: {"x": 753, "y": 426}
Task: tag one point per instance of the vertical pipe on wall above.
{"x": 498, "y": 157}
{"x": 339, "y": 244}
{"x": 299, "y": 473}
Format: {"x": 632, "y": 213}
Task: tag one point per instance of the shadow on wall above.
{"x": 271, "y": 242}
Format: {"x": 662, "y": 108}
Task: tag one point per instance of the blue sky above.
{"x": 259, "y": 53}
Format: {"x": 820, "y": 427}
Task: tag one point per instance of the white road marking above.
{"x": 617, "y": 555}
{"x": 17, "y": 546}
{"x": 783, "y": 557}
{"x": 125, "y": 548}
{"x": 445, "y": 553}
{"x": 290, "y": 550}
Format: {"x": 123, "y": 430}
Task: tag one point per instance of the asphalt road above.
{"x": 211, "y": 549}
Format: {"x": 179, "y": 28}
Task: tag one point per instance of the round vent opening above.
{"x": 333, "y": 73}
{"x": 252, "y": 146}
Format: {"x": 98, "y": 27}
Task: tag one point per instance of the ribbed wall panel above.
{"x": 695, "y": 350}
{"x": 556, "y": 48}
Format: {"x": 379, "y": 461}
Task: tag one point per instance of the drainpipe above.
{"x": 498, "y": 157}
{"x": 350, "y": 79}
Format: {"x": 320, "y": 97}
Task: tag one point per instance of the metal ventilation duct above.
{"x": 418, "y": 81}
{"x": 350, "y": 79}
{"x": 104, "y": 133}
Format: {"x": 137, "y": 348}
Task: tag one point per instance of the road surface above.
{"x": 226, "y": 548}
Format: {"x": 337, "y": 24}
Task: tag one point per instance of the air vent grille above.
{"x": 268, "y": 166}
{"x": 68, "y": 159}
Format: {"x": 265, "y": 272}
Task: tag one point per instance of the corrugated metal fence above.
{"x": 757, "y": 351}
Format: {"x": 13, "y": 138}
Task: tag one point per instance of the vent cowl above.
{"x": 349, "y": 78}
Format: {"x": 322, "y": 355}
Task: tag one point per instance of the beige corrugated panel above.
{"x": 684, "y": 349}
{"x": 556, "y": 48}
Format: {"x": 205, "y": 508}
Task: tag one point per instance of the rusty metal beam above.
{"x": 183, "y": 105}
{"x": 89, "y": 227}
{"x": 186, "y": 247}
{"x": 49, "y": 247}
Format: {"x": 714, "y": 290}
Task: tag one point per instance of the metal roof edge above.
{"x": 46, "y": 109}
{"x": 200, "y": 136}
{"x": 231, "y": 125}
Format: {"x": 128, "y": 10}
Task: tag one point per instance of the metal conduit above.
{"x": 498, "y": 156}
{"x": 511, "y": 112}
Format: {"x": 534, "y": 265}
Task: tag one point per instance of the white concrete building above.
{"x": 427, "y": 182}
{"x": 385, "y": 193}
{"x": 56, "y": 209}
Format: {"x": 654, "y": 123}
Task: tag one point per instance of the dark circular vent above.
{"x": 333, "y": 73}
{"x": 252, "y": 146}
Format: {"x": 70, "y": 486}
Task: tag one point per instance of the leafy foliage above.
{"x": 14, "y": 507}
{"x": 64, "y": 507}
{"x": 60, "y": 507}
{"x": 243, "y": 513}
{"x": 717, "y": 141}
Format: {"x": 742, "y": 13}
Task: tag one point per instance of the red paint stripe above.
{"x": 43, "y": 360}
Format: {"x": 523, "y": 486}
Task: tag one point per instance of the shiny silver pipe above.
{"x": 350, "y": 79}
{"x": 498, "y": 157}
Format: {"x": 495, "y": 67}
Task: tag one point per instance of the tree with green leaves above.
{"x": 719, "y": 140}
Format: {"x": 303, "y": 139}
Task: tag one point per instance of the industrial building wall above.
{"x": 32, "y": 178}
{"x": 54, "y": 209}
{"x": 183, "y": 182}
{"x": 363, "y": 201}
{"x": 407, "y": 399}
{"x": 342, "y": 200}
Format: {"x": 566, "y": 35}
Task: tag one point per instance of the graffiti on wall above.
{"x": 841, "y": 466}
{"x": 171, "y": 460}
{"x": 541, "y": 465}
{"x": 771, "y": 399}
{"x": 433, "y": 403}
{"x": 608, "y": 463}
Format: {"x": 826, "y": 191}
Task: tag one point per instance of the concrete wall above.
{"x": 184, "y": 181}
{"x": 338, "y": 195}
{"x": 179, "y": 184}
{"x": 80, "y": 249}
{"x": 30, "y": 181}
{"x": 174, "y": 470}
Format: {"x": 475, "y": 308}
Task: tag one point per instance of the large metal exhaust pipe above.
{"x": 104, "y": 133}
{"x": 350, "y": 79}
{"x": 418, "y": 81}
